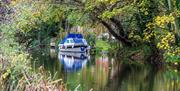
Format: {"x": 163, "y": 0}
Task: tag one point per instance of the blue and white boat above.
{"x": 73, "y": 43}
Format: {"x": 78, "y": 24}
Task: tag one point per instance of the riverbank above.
{"x": 17, "y": 74}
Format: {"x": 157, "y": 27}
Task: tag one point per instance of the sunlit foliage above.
{"x": 20, "y": 18}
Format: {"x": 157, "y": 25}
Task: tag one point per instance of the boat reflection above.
{"x": 73, "y": 62}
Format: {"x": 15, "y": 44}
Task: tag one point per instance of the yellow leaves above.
{"x": 148, "y": 36}
{"x": 150, "y": 25}
{"x": 165, "y": 42}
{"x": 162, "y": 20}
{"x": 157, "y": 28}
{"x": 162, "y": 37}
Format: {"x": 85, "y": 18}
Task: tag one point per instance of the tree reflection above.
{"x": 103, "y": 73}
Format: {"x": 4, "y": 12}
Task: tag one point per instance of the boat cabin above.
{"x": 73, "y": 42}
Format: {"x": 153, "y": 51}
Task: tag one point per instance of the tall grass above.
{"x": 16, "y": 74}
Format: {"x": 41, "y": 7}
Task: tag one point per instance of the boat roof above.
{"x": 74, "y": 36}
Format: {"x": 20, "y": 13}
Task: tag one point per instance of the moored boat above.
{"x": 73, "y": 43}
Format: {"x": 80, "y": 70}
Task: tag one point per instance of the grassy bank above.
{"x": 102, "y": 45}
{"x": 18, "y": 75}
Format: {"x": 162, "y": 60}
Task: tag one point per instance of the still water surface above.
{"x": 82, "y": 72}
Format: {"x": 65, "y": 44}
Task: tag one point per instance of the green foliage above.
{"x": 117, "y": 11}
{"x": 172, "y": 55}
{"x": 103, "y": 45}
{"x": 36, "y": 23}
{"x": 30, "y": 23}
{"x": 77, "y": 18}
{"x": 91, "y": 39}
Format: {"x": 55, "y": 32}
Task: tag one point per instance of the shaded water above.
{"x": 83, "y": 72}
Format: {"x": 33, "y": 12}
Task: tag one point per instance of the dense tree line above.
{"x": 132, "y": 22}
{"x": 135, "y": 22}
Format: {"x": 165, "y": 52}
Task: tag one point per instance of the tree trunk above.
{"x": 122, "y": 39}
{"x": 175, "y": 27}
{"x": 119, "y": 26}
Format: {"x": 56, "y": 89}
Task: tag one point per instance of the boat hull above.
{"x": 77, "y": 49}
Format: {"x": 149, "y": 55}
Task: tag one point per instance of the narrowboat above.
{"x": 73, "y": 43}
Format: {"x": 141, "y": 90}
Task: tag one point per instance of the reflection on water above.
{"x": 83, "y": 72}
{"x": 73, "y": 62}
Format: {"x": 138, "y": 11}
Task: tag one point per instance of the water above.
{"x": 83, "y": 72}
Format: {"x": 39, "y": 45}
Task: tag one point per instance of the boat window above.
{"x": 67, "y": 41}
{"x": 71, "y": 41}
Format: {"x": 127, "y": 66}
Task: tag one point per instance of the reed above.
{"x": 16, "y": 74}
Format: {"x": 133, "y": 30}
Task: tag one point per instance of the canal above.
{"x": 84, "y": 72}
